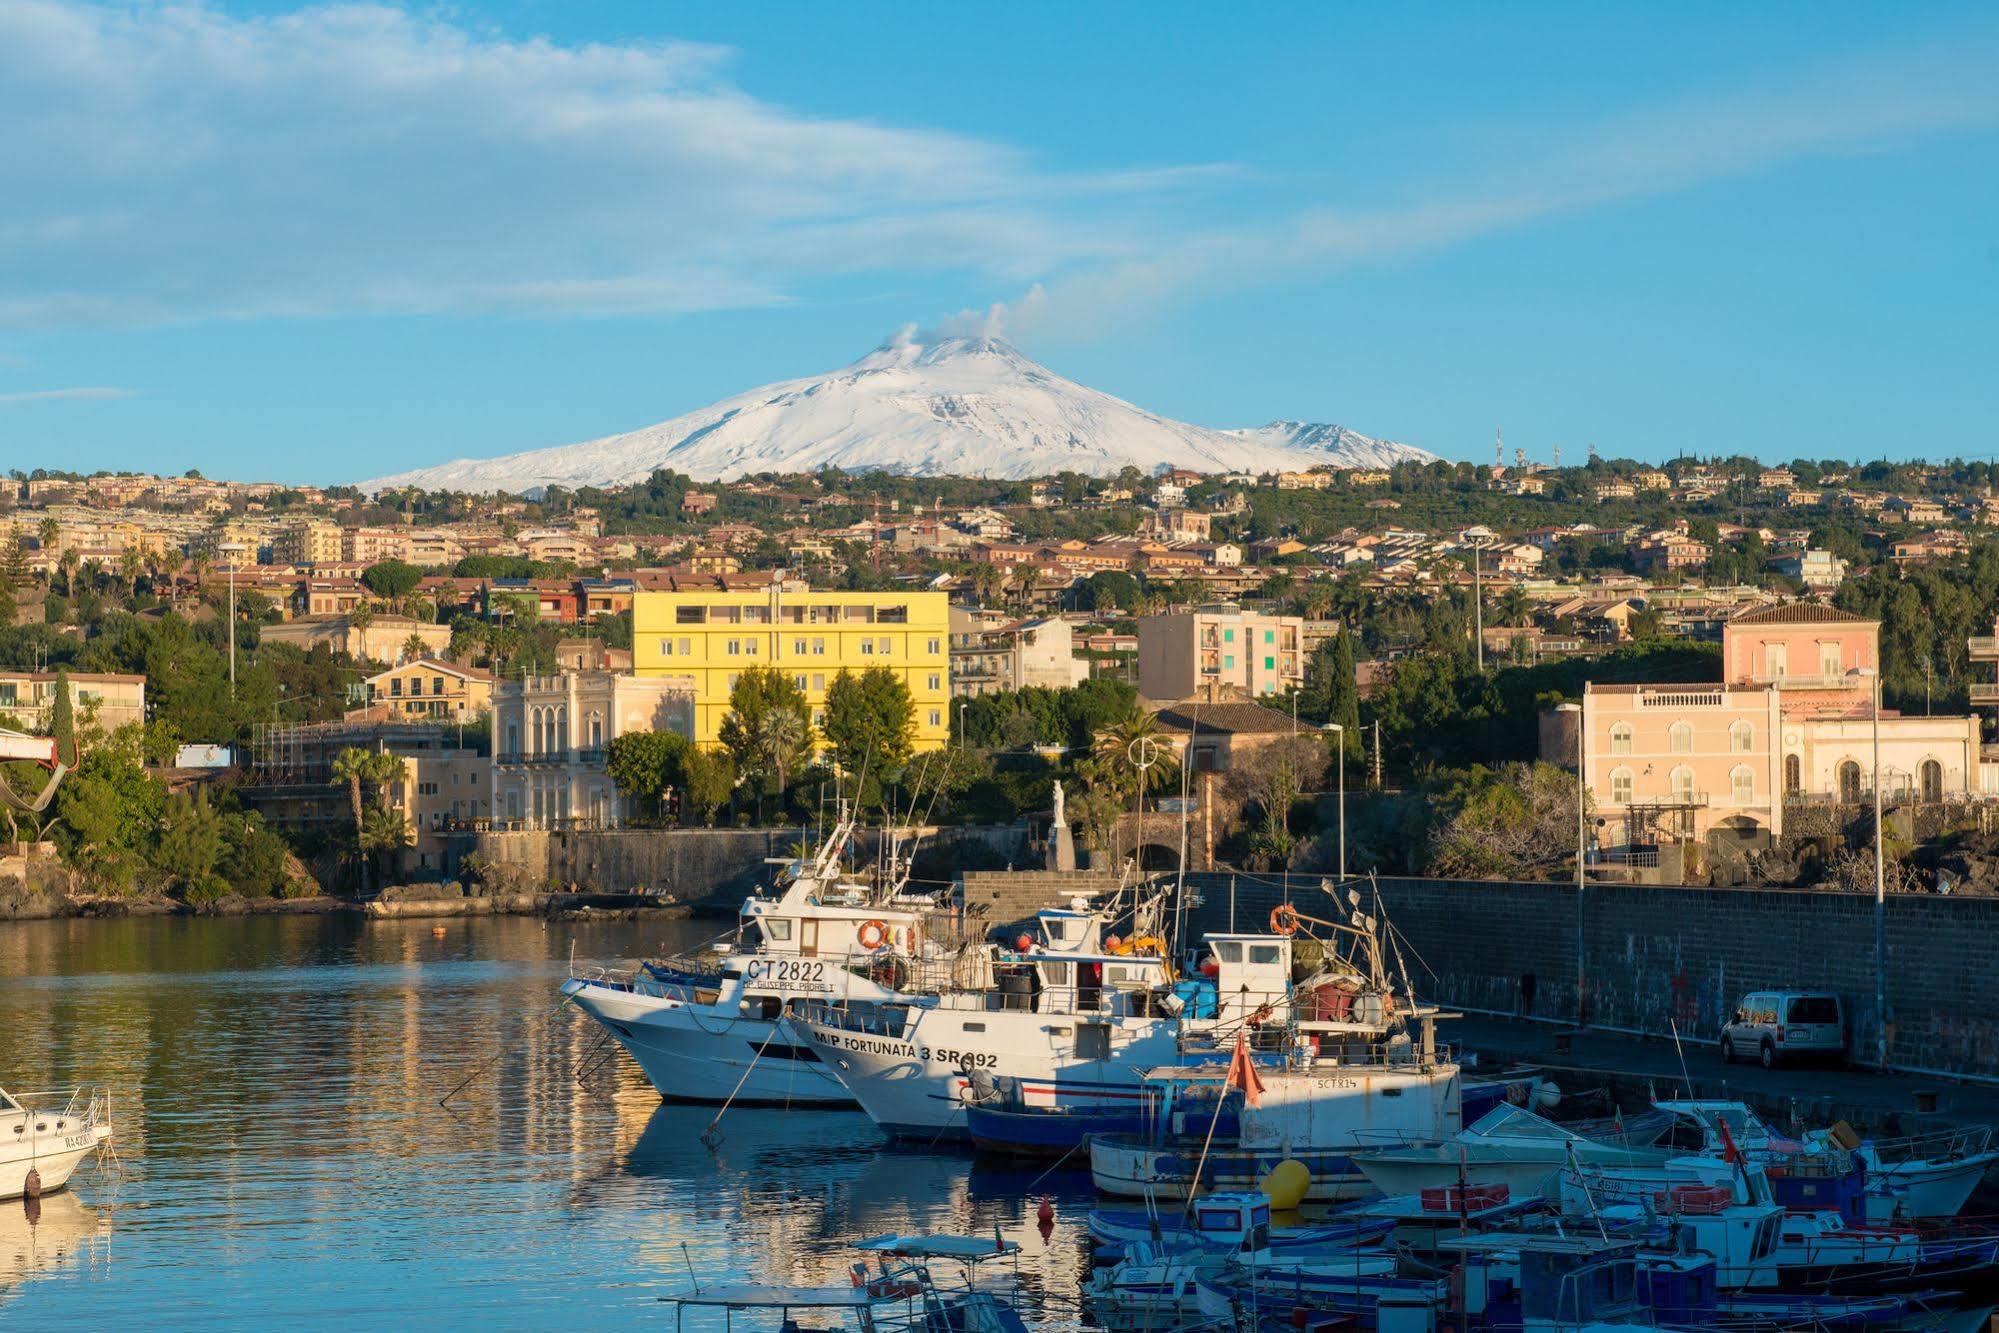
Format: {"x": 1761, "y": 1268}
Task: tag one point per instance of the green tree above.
{"x": 359, "y": 768}
{"x": 392, "y": 580}
{"x": 768, "y": 730}
{"x": 707, "y": 777}
{"x": 870, "y": 721}
{"x": 190, "y": 844}
{"x": 644, "y": 764}
{"x": 1343, "y": 702}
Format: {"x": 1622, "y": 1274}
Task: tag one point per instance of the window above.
{"x": 690, "y": 615}
{"x": 1742, "y": 784}
{"x": 1620, "y": 738}
{"x": 1849, "y": 782}
{"x": 1229, "y": 952}
{"x": 1829, "y": 663}
{"x": 1683, "y": 738}
{"x": 1270, "y": 636}
{"x": 884, "y": 646}
{"x": 1741, "y": 737}
{"x": 1263, "y": 954}
{"x": 1270, "y": 664}
{"x": 936, "y": 681}
{"x": 686, "y": 647}
{"x": 735, "y": 648}
{"x": 936, "y": 718}
{"x": 777, "y": 928}
{"x": 818, "y": 680}
{"x": 749, "y": 647}
{"x": 1229, "y": 661}
{"x": 1683, "y": 783}
{"x": 799, "y": 680}
{"x": 1930, "y": 777}
{"x": 1776, "y": 659}
{"x": 1228, "y": 636}
{"x": 867, "y": 647}
{"x": 798, "y": 647}
{"x": 1794, "y": 777}
{"x": 733, "y": 677}
{"x": 1620, "y": 786}
{"x": 935, "y": 647}
{"x": 396, "y": 688}
{"x": 819, "y": 647}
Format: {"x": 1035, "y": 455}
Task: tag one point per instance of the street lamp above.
{"x": 1582, "y": 843}
{"x": 1340, "y": 730}
{"x": 1880, "y": 883}
{"x": 232, "y": 550}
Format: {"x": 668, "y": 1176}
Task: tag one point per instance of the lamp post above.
{"x": 232, "y": 550}
{"x": 1582, "y": 842}
{"x": 1340, "y": 730}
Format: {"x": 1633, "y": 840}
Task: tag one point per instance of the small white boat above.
{"x": 44, "y": 1135}
{"x": 1508, "y": 1146}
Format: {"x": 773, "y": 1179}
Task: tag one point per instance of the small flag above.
{"x": 1242, "y": 1074}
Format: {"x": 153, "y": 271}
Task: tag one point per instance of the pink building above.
{"x": 1792, "y": 721}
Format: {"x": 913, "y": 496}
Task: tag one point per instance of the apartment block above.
{"x": 715, "y": 635}
{"x": 1219, "y": 650}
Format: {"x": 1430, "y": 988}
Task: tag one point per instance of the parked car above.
{"x": 1775, "y": 1025}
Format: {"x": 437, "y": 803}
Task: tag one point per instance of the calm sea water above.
{"x": 282, "y": 1157}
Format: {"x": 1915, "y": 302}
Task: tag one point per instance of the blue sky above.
{"x": 327, "y": 243}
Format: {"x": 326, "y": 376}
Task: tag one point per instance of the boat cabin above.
{"x": 1538, "y": 1281}
{"x": 1235, "y": 1221}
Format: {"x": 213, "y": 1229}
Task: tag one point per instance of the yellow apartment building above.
{"x": 714, "y": 636}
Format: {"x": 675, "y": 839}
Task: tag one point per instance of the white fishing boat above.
{"x": 711, "y": 1030}
{"x": 1926, "y": 1177}
{"x": 1360, "y": 1065}
{"x": 1071, "y": 1020}
{"x": 1509, "y": 1146}
{"x": 45, "y": 1135}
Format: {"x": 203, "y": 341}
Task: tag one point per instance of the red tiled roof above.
{"x": 1799, "y": 613}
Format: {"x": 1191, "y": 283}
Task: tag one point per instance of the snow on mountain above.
{"x": 968, "y": 407}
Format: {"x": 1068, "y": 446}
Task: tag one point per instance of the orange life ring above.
{"x": 873, "y": 935}
{"x": 1284, "y": 919}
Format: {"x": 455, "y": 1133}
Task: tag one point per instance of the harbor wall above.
{"x": 1659, "y": 958}
{"x": 697, "y": 865}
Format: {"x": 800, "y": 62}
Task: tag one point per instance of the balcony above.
{"x": 1984, "y": 647}
{"x": 1836, "y": 681}
{"x": 1985, "y": 694}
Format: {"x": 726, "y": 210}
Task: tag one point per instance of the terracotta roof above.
{"x": 1799, "y": 613}
{"x": 1213, "y": 719}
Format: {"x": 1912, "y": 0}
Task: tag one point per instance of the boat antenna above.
{"x": 1589, "y": 1196}
{"x": 1686, "y": 1079}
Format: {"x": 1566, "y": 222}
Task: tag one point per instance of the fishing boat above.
{"x": 1509, "y": 1146}
{"x": 1360, "y": 1065}
{"x": 902, "y": 1294}
{"x": 711, "y": 1029}
{"x": 1915, "y": 1178}
{"x": 1227, "y": 1237}
{"x": 44, "y": 1136}
{"x": 1168, "y": 1229}
{"x": 1071, "y": 1016}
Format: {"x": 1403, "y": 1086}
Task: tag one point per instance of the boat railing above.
{"x": 84, "y": 1104}
{"x": 1937, "y": 1145}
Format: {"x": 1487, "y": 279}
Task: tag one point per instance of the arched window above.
{"x": 1683, "y": 738}
{"x": 1794, "y": 773}
{"x": 1742, "y": 784}
{"x": 1741, "y": 737}
{"x": 1849, "y": 782}
{"x": 1620, "y": 738}
{"x": 1620, "y": 786}
{"x": 1931, "y": 777}
{"x": 596, "y": 731}
{"x": 513, "y": 737}
{"x": 1683, "y": 783}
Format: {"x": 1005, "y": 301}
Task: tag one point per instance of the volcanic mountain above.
{"x": 967, "y": 407}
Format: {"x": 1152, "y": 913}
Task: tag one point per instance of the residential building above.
{"x": 1820, "y": 571}
{"x": 551, "y": 736}
{"x": 713, "y": 635}
{"x": 380, "y": 638}
{"x": 428, "y": 688}
{"x": 1212, "y": 736}
{"x": 308, "y": 541}
{"x": 107, "y": 701}
{"x": 1219, "y": 650}
{"x": 992, "y": 652}
{"x": 441, "y": 792}
{"x": 1712, "y": 768}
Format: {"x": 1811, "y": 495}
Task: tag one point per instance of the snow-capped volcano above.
{"x": 967, "y": 407}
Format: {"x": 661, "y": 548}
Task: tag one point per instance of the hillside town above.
{"x": 1442, "y": 642}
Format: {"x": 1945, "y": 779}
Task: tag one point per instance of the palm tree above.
{"x": 50, "y": 532}
{"x": 355, "y": 766}
{"x": 131, "y": 562}
{"x": 350, "y": 766}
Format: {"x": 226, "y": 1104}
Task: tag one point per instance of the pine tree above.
{"x": 62, "y": 720}
{"x": 1345, "y": 706}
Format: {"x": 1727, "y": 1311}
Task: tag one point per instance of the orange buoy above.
{"x": 1044, "y": 1217}
{"x": 438, "y": 931}
{"x": 873, "y": 935}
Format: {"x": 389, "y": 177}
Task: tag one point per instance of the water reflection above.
{"x": 276, "y": 1086}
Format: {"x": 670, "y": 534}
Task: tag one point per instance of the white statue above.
{"x": 1060, "y": 820}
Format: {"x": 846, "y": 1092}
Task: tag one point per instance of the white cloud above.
{"x": 63, "y": 395}
{"x": 168, "y": 163}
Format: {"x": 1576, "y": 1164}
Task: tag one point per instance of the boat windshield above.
{"x": 1514, "y": 1122}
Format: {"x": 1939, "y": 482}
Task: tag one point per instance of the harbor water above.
{"x": 282, "y": 1157}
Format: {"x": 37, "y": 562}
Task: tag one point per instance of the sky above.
{"x": 325, "y": 243}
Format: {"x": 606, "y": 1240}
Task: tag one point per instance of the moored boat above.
{"x": 44, "y": 1136}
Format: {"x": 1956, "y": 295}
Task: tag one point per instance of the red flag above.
{"x": 1242, "y": 1074}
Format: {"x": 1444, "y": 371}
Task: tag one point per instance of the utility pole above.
{"x": 1477, "y": 609}
{"x": 1880, "y": 899}
{"x": 232, "y": 549}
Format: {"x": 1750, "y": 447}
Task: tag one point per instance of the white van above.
{"x": 1778, "y": 1025}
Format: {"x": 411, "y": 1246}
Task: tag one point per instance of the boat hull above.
{"x": 1126, "y": 1169}
{"x": 694, "y": 1054}
{"x": 54, "y": 1157}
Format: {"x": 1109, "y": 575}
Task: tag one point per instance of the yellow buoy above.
{"x": 1286, "y": 1184}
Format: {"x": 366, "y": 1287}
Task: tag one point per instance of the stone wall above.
{"x": 720, "y": 864}
{"x": 1659, "y": 957}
